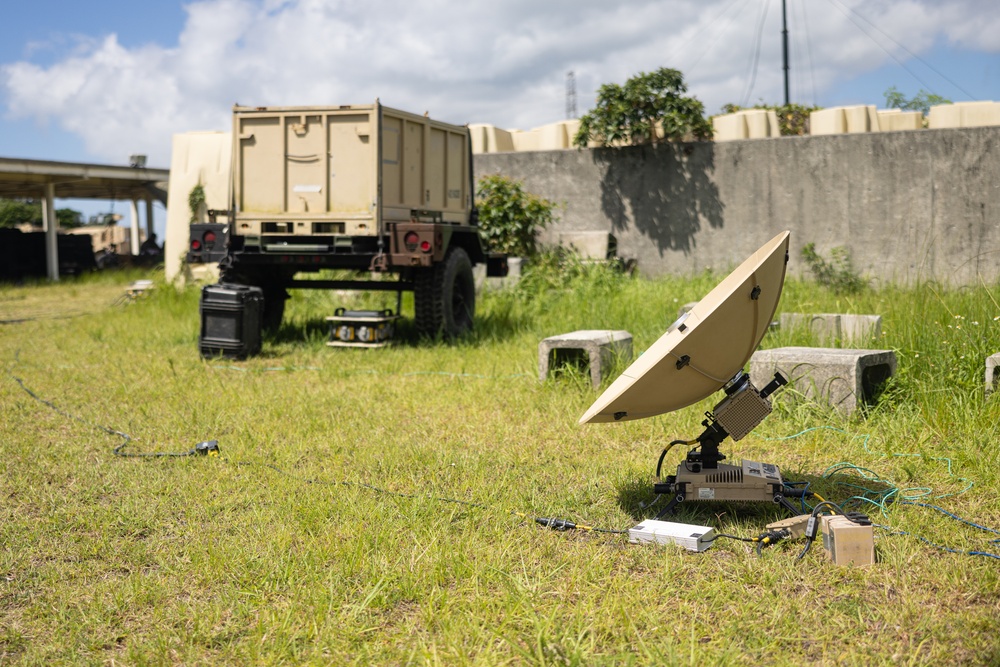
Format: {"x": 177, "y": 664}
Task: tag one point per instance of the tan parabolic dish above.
{"x": 696, "y": 358}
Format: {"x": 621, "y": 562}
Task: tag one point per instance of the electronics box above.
{"x": 361, "y": 328}
{"x": 230, "y": 320}
{"x": 692, "y": 538}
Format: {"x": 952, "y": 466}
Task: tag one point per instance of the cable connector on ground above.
{"x": 556, "y": 524}
{"x": 207, "y": 448}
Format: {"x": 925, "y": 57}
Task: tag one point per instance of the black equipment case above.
{"x": 230, "y": 320}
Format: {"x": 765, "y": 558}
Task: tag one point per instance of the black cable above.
{"x": 211, "y": 447}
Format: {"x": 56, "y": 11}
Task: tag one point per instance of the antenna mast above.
{"x": 570, "y": 95}
{"x": 784, "y": 50}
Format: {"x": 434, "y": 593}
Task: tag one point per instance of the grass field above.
{"x": 364, "y": 508}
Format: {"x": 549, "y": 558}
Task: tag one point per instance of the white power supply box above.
{"x": 692, "y": 538}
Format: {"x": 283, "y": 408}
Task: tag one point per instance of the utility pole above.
{"x": 570, "y": 95}
{"x": 784, "y": 50}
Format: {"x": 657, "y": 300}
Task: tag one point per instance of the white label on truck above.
{"x": 307, "y": 188}
{"x": 706, "y": 493}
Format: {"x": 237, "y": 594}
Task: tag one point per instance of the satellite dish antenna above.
{"x": 704, "y": 351}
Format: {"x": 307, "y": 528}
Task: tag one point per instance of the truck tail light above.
{"x": 425, "y": 246}
{"x": 209, "y": 238}
{"x": 195, "y": 244}
{"x": 410, "y": 241}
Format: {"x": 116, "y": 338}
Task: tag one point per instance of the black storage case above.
{"x": 230, "y": 320}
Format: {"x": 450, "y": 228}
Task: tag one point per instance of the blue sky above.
{"x": 97, "y": 81}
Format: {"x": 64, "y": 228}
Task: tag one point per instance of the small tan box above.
{"x": 847, "y": 542}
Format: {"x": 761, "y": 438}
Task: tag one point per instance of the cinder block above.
{"x": 860, "y": 328}
{"x": 843, "y": 378}
{"x": 836, "y": 328}
{"x": 992, "y": 372}
{"x": 601, "y": 347}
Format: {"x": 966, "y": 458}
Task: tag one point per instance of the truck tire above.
{"x": 274, "y": 308}
{"x": 274, "y": 298}
{"x": 445, "y": 296}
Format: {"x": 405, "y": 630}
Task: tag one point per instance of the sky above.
{"x": 101, "y": 80}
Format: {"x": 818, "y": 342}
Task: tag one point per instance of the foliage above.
{"x": 509, "y": 217}
{"x": 793, "y": 119}
{"x": 922, "y": 101}
{"x": 196, "y": 199}
{"x": 646, "y": 105}
{"x": 68, "y": 218}
{"x": 838, "y": 273}
{"x": 15, "y": 212}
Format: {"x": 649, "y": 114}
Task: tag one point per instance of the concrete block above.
{"x": 944, "y": 116}
{"x": 979, "y": 114}
{"x": 860, "y": 328}
{"x": 992, "y": 372}
{"x": 600, "y": 347}
{"x": 842, "y": 378}
{"x": 833, "y": 328}
{"x": 858, "y": 119}
{"x": 894, "y": 120}
{"x": 526, "y": 140}
{"x": 827, "y": 121}
{"x": 964, "y": 114}
{"x": 761, "y": 123}
{"x": 489, "y": 139}
{"x": 730, "y": 127}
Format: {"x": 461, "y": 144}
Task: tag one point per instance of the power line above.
{"x": 845, "y": 9}
{"x": 670, "y": 56}
{"x": 703, "y": 51}
{"x": 752, "y": 75}
{"x": 812, "y": 70}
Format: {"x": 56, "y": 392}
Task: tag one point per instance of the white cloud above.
{"x": 503, "y": 63}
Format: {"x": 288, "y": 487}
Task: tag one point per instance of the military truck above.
{"x": 380, "y": 192}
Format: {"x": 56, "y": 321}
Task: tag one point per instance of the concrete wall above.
{"x": 910, "y": 206}
{"x": 197, "y": 157}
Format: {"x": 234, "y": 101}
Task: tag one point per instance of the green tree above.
{"x": 634, "y": 112}
{"x": 793, "y": 119}
{"x": 15, "y": 212}
{"x": 922, "y": 101}
{"x": 509, "y": 217}
{"x": 67, "y": 218}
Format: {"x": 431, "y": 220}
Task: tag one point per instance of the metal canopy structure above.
{"x": 49, "y": 180}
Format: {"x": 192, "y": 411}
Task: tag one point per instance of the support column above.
{"x": 134, "y": 238}
{"x": 51, "y": 238}
{"x": 149, "y": 218}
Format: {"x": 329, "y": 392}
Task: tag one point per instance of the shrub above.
{"x": 509, "y": 217}
{"x": 838, "y": 273}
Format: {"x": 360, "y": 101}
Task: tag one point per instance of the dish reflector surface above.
{"x": 703, "y": 350}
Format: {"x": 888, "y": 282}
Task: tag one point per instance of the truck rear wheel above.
{"x": 445, "y": 296}
{"x": 274, "y": 298}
